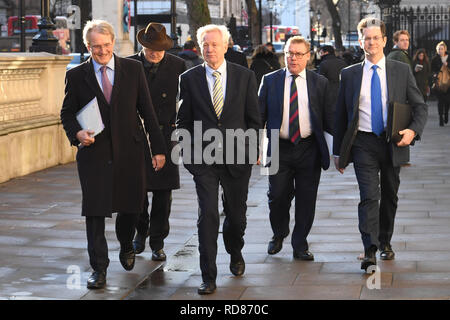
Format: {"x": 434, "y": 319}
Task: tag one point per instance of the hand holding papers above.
{"x": 90, "y": 120}
{"x": 89, "y": 117}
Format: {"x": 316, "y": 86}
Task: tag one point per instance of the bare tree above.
{"x": 336, "y": 24}
{"x": 198, "y": 16}
{"x": 253, "y": 21}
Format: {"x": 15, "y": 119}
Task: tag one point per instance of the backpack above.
{"x": 443, "y": 79}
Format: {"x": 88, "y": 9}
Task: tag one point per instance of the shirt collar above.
{"x": 110, "y": 64}
{"x": 381, "y": 64}
{"x": 302, "y": 74}
{"x": 222, "y": 69}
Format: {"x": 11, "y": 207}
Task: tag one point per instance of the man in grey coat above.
{"x": 365, "y": 94}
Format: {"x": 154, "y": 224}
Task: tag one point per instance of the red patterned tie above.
{"x": 294, "y": 128}
{"x": 106, "y": 85}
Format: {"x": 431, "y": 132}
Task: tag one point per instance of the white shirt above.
{"x": 109, "y": 71}
{"x": 365, "y": 109}
{"x": 210, "y": 78}
{"x": 303, "y": 105}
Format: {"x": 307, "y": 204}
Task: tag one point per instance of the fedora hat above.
{"x": 154, "y": 37}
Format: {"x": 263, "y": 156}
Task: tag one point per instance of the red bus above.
{"x": 31, "y": 25}
{"x": 280, "y": 32}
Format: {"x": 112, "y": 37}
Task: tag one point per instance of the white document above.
{"x": 89, "y": 117}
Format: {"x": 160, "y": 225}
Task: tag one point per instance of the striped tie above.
{"x": 294, "y": 128}
{"x": 217, "y": 94}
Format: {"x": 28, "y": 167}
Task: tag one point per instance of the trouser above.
{"x": 298, "y": 175}
{"x": 235, "y": 192}
{"x": 158, "y": 218}
{"x": 378, "y": 182}
{"x": 97, "y": 244}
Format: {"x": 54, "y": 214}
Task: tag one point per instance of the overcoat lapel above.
{"x": 117, "y": 78}
{"x": 92, "y": 81}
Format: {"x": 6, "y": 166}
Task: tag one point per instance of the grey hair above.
{"x": 211, "y": 27}
{"x": 100, "y": 26}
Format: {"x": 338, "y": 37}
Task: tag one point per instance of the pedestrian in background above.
{"x": 438, "y": 61}
{"x": 162, "y": 71}
{"x": 399, "y": 52}
{"x": 190, "y": 55}
{"x": 263, "y": 62}
{"x": 330, "y": 67}
{"x": 422, "y": 72}
{"x": 111, "y": 165}
{"x": 235, "y": 56}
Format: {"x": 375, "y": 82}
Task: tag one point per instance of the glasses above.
{"x": 98, "y": 47}
{"x": 376, "y": 39}
{"x": 298, "y": 55}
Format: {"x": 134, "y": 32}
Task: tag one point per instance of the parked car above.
{"x": 76, "y": 59}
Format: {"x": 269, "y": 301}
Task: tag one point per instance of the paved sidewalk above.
{"x": 43, "y": 242}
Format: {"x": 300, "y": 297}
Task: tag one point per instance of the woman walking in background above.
{"x": 422, "y": 72}
{"x": 440, "y": 59}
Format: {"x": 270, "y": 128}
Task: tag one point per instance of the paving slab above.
{"x": 43, "y": 241}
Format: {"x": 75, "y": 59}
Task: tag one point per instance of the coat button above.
{"x": 164, "y": 95}
{"x": 109, "y": 162}
{"x": 219, "y": 124}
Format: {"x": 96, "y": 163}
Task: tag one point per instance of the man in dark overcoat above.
{"x": 162, "y": 71}
{"x": 110, "y": 164}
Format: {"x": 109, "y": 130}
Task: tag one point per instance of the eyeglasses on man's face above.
{"x": 98, "y": 47}
{"x": 297, "y": 55}
{"x": 376, "y": 38}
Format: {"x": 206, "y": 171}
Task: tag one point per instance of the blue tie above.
{"x": 376, "y": 105}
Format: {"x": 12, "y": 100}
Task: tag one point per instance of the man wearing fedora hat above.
{"x": 162, "y": 70}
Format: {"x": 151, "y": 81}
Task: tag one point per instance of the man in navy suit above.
{"x": 219, "y": 96}
{"x": 365, "y": 95}
{"x": 295, "y": 102}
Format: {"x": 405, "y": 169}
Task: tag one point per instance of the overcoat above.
{"x": 112, "y": 169}
{"x": 163, "y": 86}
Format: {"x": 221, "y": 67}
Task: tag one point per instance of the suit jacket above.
{"x": 163, "y": 88}
{"x": 112, "y": 170}
{"x": 240, "y": 110}
{"x": 271, "y": 100}
{"x": 401, "y": 87}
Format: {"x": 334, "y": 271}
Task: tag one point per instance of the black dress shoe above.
{"x": 97, "y": 280}
{"x": 275, "y": 245}
{"x": 139, "y": 243}
{"x": 387, "y": 253}
{"x": 207, "y": 288}
{"x": 127, "y": 259}
{"x": 159, "y": 255}
{"x": 303, "y": 255}
{"x": 370, "y": 258}
{"x": 237, "y": 267}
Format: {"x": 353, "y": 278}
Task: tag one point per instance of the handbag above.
{"x": 443, "y": 79}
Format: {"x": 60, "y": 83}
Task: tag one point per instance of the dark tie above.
{"x": 106, "y": 85}
{"x": 294, "y": 128}
{"x": 376, "y": 105}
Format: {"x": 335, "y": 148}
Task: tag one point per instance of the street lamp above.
{"x": 45, "y": 40}
{"x": 312, "y": 34}
{"x": 318, "y": 27}
{"x": 386, "y": 7}
{"x": 271, "y": 5}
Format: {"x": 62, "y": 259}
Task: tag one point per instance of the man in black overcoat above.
{"x": 110, "y": 164}
{"x": 162, "y": 71}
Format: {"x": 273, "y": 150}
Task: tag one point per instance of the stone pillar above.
{"x": 112, "y": 11}
{"x": 31, "y": 95}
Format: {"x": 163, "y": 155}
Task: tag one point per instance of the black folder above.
{"x": 399, "y": 118}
